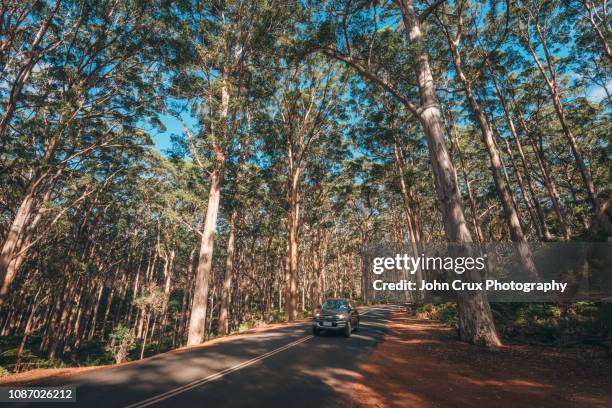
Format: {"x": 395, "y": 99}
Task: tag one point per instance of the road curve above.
{"x": 282, "y": 367}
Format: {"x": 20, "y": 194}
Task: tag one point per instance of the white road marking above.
{"x": 179, "y": 390}
{"x": 168, "y": 394}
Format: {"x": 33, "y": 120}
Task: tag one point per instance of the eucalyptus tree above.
{"x": 499, "y": 76}
{"x": 463, "y": 26}
{"x": 539, "y": 25}
{"x": 90, "y": 83}
{"x": 305, "y": 113}
{"x": 386, "y": 134}
{"x": 243, "y": 154}
{"x": 217, "y": 44}
{"x": 378, "y": 40}
{"x": 25, "y": 42}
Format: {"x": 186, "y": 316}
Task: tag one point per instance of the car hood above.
{"x": 333, "y": 310}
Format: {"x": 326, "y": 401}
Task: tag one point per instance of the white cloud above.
{"x": 597, "y": 93}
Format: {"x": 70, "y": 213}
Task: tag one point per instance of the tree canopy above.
{"x": 309, "y": 130}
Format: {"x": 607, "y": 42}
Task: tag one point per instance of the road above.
{"x": 281, "y": 367}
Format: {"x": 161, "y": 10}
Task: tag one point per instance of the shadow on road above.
{"x": 319, "y": 371}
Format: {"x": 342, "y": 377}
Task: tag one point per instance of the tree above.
{"x": 537, "y": 15}
{"x": 307, "y": 99}
{"x": 225, "y": 40}
{"x": 503, "y": 191}
{"x": 87, "y": 89}
{"x": 476, "y": 322}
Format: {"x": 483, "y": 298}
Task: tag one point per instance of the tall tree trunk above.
{"x": 503, "y": 191}
{"x": 466, "y": 180}
{"x": 28, "y": 329}
{"x": 292, "y": 256}
{"x": 475, "y": 319}
{"x": 227, "y": 280}
{"x": 319, "y": 252}
{"x": 187, "y": 294}
{"x": 550, "y": 77}
{"x": 109, "y": 304}
{"x": 199, "y": 304}
{"x": 146, "y": 332}
{"x": 549, "y": 183}
{"x": 530, "y": 184}
{"x": 53, "y": 320}
{"x": 414, "y": 236}
{"x": 95, "y": 312}
{"x": 197, "y": 319}
{"x": 168, "y": 273}
{"x": 505, "y": 169}
{"x": 10, "y": 245}
{"x": 538, "y": 221}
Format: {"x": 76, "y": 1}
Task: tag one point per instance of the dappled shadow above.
{"x": 320, "y": 371}
{"x": 432, "y": 368}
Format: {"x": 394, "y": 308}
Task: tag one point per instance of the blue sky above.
{"x": 162, "y": 139}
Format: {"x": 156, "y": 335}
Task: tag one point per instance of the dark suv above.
{"x": 336, "y": 315}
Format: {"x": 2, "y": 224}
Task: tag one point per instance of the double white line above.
{"x": 158, "y": 398}
{"x": 179, "y": 390}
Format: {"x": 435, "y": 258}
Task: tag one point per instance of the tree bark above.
{"x": 292, "y": 257}
{"x": 475, "y": 319}
{"x": 503, "y": 192}
{"x": 530, "y": 184}
{"x": 551, "y": 82}
{"x": 27, "y": 330}
{"x": 10, "y": 245}
{"x": 94, "y": 317}
{"x": 227, "y": 280}
{"x": 197, "y": 319}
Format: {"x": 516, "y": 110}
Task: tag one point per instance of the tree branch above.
{"x": 430, "y": 9}
{"x": 372, "y": 77}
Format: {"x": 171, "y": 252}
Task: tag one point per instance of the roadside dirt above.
{"x": 421, "y": 364}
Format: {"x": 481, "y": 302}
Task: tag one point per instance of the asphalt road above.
{"x": 274, "y": 368}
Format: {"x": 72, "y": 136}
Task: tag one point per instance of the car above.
{"x": 338, "y": 315}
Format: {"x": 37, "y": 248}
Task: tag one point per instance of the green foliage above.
{"x": 553, "y": 323}
{"x": 278, "y": 316}
{"x": 4, "y": 372}
{"x": 151, "y": 300}
{"x": 541, "y": 322}
{"x": 446, "y": 313}
{"x": 251, "y": 321}
{"x": 30, "y": 358}
{"x": 121, "y": 342}
{"x": 107, "y": 209}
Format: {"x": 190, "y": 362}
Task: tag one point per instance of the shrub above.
{"x": 122, "y": 341}
{"x": 448, "y": 313}
{"x": 4, "y": 372}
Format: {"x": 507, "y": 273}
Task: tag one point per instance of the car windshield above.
{"x": 335, "y": 304}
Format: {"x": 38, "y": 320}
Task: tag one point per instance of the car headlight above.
{"x": 317, "y": 314}
{"x": 341, "y": 316}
